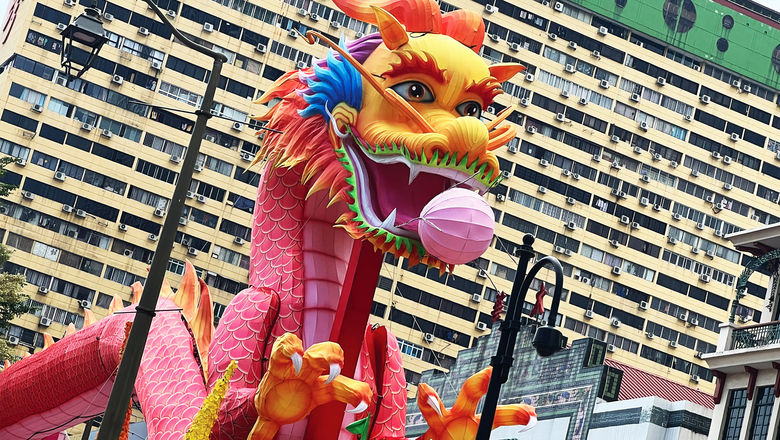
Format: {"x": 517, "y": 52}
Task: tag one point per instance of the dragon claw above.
{"x": 297, "y": 361}
{"x": 434, "y": 403}
{"x": 362, "y": 406}
{"x": 335, "y": 370}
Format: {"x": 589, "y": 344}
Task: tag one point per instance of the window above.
{"x": 409, "y": 348}
{"x": 735, "y": 412}
{"x": 762, "y": 413}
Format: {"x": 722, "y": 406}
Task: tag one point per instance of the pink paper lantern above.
{"x": 456, "y": 226}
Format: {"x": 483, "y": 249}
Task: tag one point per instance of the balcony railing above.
{"x": 756, "y": 335}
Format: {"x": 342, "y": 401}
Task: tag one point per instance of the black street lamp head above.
{"x": 548, "y": 340}
{"x": 87, "y": 31}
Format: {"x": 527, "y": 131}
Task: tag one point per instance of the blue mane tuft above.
{"x": 339, "y": 82}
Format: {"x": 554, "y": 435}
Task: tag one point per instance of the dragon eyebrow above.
{"x": 487, "y": 90}
{"x": 413, "y": 62}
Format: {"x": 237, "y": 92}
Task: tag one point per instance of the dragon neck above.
{"x": 297, "y": 252}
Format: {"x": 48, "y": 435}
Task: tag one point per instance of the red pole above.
{"x": 348, "y": 330}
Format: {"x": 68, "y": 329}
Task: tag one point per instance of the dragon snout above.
{"x": 466, "y": 135}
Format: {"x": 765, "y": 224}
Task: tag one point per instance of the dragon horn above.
{"x": 416, "y": 15}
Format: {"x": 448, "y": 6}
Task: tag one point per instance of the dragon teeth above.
{"x": 389, "y": 221}
{"x": 414, "y": 171}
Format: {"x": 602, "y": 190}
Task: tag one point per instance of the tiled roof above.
{"x": 637, "y": 383}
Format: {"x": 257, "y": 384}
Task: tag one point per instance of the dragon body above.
{"x": 365, "y": 140}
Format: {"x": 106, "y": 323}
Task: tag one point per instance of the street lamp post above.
{"x": 547, "y": 339}
{"x": 119, "y": 399}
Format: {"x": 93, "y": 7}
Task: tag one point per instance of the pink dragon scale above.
{"x": 403, "y": 105}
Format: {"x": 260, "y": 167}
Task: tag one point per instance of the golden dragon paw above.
{"x": 297, "y": 381}
{"x": 460, "y": 422}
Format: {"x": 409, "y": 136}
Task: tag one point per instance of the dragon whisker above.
{"x": 500, "y": 117}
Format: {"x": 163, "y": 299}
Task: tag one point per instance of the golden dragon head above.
{"x": 390, "y": 121}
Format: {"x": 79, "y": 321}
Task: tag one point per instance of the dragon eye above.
{"x": 469, "y": 108}
{"x": 413, "y": 91}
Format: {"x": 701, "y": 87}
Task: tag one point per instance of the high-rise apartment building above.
{"x": 647, "y": 131}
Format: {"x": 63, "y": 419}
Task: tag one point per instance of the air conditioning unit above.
{"x": 700, "y": 226}
{"x": 152, "y": 237}
{"x": 643, "y": 305}
{"x": 677, "y": 216}
{"x": 558, "y": 6}
{"x": 512, "y": 149}
{"x": 585, "y": 280}
{"x": 122, "y": 227}
{"x": 622, "y": 194}
{"x": 491, "y": 110}
{"x": 476, "y": 297}
{"x": 186, "y": 241}
{"x": 552, "y": 36}
{"x": 81, "y": 213}
{"x": 428, "y": 337}
{"x": 542, "y": 189}
{"x": 87, "y": 127}
{"x": 688, "y": 118}
{"x": 237, "y": 126}
{"x": 170, "y": 13}
{"x": 673, "y": 164}
{"x": 156, "y": 64}
{"x": 529, "y": 77}
{"x": 643, "y": 126}
{"x": 43, "y": 290}
{"x": 482, "y": 273}
{"x": 596, "y": 54}
{"x": 727, "y": 160}
{"x": 638, "y": 150}
{"x": 500, "y": 197}
{"x": 693, "y": 321}
{"x": 261, "y": 48}
{"x": 85, "y": 304}
{"x": 571, "y": 200}
{"x": 481, "y": 326}
{"x": 644, "y": 178}
{"x": 746, "y": 88}
{"x": 661, "y": 81}
{"x": 300, "y": 65}
{"x": 614, "y": 138}
{"x": 635, "y": 97}
{"x": 558, "y": 249}
{"x": 175, "y": 159}
{"x": 106, "y": 133}
{"x": 735, "y": 83}
{"x": 44, "y": 322}
{"x": 572, "y": 45}
{"x": 303, "y": 12}
{"x": 190, "y": 195}
{"x": 197, "y": 168}
{"x": 705, "y": 278}
{"x": 616, "y": 270}
{"x": 718, "y": 233}
{"x": 192, "y": 251}
{"x": 59, "y": 175}
{"x": 28, "y": 195}
{"x": 494, "y": 38}
{"x": 201, "y": 198}
{"x": 183, "y": 221}
{"x": 734, "y": 137}
{"x": 13, "y": 340}
{"x": 127, "y": 252}
{"x": 571, "y": 225}
{"x": 589, "y": 314}
{"x": 614, "y": 322}
{"x": 565, "y": 173}
{"x": 615, "y": 164}
{"x": 756, "y": 218}
{"x": 37, "y": 108}
{"x": 644, "y": 201}
{"x": 246, "y": 156}
{"x": 604, "y": 84}
{"x": 560, "y": 117}
{"x": 694, "y": 378}
{"x": 672, "y": 344}
{"x": 710, "y": 253}
{"x": 649, "y": 335}
{"x": 614, "y": 243}
{"x": 67, "y": 208}
{"x": 583, "y": 101}
{"x": 657, "y": 157}
{"x": 694, "y": 250}
{"x": 335, "y": 24}
{"x": 61, "y": 26}
{"x": 514, "y": 47}
{"x": 208, "y": 27}
{"x": 564, "y": 93}
{"x": 525, "y": 102}
{"x": 544, "y": 162}
{"x": 694, "y": 173}
{"x": 21, "y": 162}
{"x": 656, "y": 207}
{"x": 603, "y": 30}
{"x": 710, "y": 199}
{"x": 506, "y": 174}
{"x": 624, "y": 219}
{"x": 671, "y": 240}
{"x": 159, "y": 212}
{"x": 239, "y": 241}
{"x": 683, "y": 316}
{"x": 108, "y": 17}
{"x": 490, "y": 9}
{"x": 715, "y": 155}
{"x": 705, "y": 99}
{"x": 143, "y": 31}
{"x": 575, "y": 176}
{"x": 359, "y": 35}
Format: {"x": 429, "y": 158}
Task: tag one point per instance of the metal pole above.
{"x": 551, "y": 339}
{"x": 503, "y": 359}
{"x": 87, "y": 429}
{"x": 128, "y": 368}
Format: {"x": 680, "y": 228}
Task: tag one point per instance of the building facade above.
{"x": 642, "y": 140}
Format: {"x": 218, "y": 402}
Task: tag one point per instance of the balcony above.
{"x": 756, "y": 346}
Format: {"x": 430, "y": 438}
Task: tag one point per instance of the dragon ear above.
{"x": 505, "y": 71}
{"x": 392, "y": 31}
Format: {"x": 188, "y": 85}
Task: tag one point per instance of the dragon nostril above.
{"x": 466, "y": 134}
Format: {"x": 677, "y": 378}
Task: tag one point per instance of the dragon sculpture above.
{"x": 366, "y": 139}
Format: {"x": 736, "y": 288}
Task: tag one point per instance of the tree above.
{"x": 12, "y": 302}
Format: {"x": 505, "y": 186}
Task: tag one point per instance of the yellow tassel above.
{"x": 207, "y": 416}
